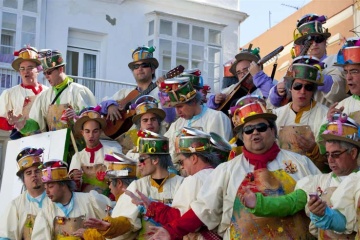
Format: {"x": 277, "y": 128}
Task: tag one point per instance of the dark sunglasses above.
{"x": 143, "y": 65}
{"x": 260, "y": 127}
{"x": 308, "y": 87}
{"x": 317, "y": 39}
{"x": 142, "y": 159}
{"x": 49, "y": 72}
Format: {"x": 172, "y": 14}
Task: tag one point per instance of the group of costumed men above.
{"x": 282, "y": 164}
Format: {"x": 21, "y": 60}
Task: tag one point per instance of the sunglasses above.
{"x": 308, "y": 87}
{"x": 143, "y": 65}
{"x": 317, "y": 39}
{"x": 49, "y": 72}
{"x": 142, "y": 159}
{"x": 260, "y": 127}
{"x": 335, "y": 155}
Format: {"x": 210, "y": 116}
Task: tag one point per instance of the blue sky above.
{"x": 259, "y": 20}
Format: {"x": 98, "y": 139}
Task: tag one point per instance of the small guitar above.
{"x": 245, "y": 85}
{"x": 116, "y": 128}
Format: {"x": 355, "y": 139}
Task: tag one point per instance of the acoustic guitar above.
{"x": 245, "y": 85}
{"x": 115, "y": 128}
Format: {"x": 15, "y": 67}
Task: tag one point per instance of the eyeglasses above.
{"x": 143, "y": 65}
{"x": 242, "y": 73}
{"x": 49, "y": 72}
{"x": 352, "y": 72}
{"x": 142, "y": 159}
{"x": 23, "y": 69}
{"x": 308, "y": 87}
{"x": 335, "y": 155}
{"x": 260, "y": 127}
{"x": 318, "y": 39}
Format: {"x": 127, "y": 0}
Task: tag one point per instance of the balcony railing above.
{"x": 101, "y": 88}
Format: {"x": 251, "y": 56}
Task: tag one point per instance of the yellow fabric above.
{"x": 160, "y": 187}
{"x": 304, "y": 109}
{"x": 118, "y": 226}
{"x": 92, "y": 234}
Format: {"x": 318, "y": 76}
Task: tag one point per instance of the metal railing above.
{"x": 102, "y": 88}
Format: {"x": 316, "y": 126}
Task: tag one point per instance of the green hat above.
{"x": 310, "y": 25}
{"x": 152, "y": 143}
{"x": 245, "y": 54}
{"x": 50, "y": 59}
{"x": 195, "y": 77}
{"x": 192, "y": 140}
{"x": 179, "y": 90}
{"x": 305, "y": 72}
{"x": 144, "y": 54}
{"x": 25, "y": 54}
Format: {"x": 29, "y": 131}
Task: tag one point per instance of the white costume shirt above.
{"x": 350, "y": 104}
{"x": 91, "y": 205}
{"x": 313, "y": 117}
{"x": 124, "y": 207}
{"x": 13, "y": 99}
{"x": 210, "y": 121}
{"x": 13, "y": 221}
{"x": 215, "y": 201}
{"x": 78, "y": 96}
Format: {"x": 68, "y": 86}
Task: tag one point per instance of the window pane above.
{"x": 89, "y": 68}
{"x": 72, "y": 63}
{"x": 165, "y": 47}
{"x": 151, "y": 43}
{"x": 197, "y": 64}
{"x": 151, "y": 27}
{"x": 197, "y": 52}
{"x": 198, "y": 33}
{"x": 29, "y": 24}
{"x": 30, "y": 5}
{"x": 166, "y": 27}
{"x": 214, "y": 37}
{"x": 214, "y": 55}
{"x": 27, "y": 38}
{"x": 11, "y": 3}
{"x": 183, "y": 31}
{"x": 182, "y": 50}
{"x": 166, "y": 64}
{"x": 9, "y": 21}
{"x": 183, "y": 62}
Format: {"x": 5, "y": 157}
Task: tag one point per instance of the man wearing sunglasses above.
{"x": 303, "y": 114}
{"x": 320, "y": 194}
{"x": 349, "y": 59}
{"x": 65, "y": 98}
{"x": 262, "y": 167}
{"x": 19, "y": 99}
{"x": 309, "y": 28}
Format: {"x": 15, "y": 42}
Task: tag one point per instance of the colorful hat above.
{"x": 192, "y": 140}
{"x": 179, "y": 90}
{"x": 305, "y": 72}
{"x": 246, "y": 100}
{"x": 147, "y": 104}
{"x": 220, "y": 146}
{"x": 249, "y": 112}
{"x": 25, "y": 54}
{"x": 152, "y": 143}
{"x": 310, "y": 25}
{"x": 120, "y": 166}
{"x": 195, "y": 78}
{"x": 87, "y": 114}
{"x": 144, "y": 54}
{"x": 50, "y": 59}
{"x": 27, "y": 158}
{"x": 245, "y": 54}
{"x": 342, "y": 128}
{"x": 227, "y": 67}
{"x": 349, "y": 53}
{"x": 55, "y": 171}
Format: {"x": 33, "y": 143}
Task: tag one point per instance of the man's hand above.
{"x": 333, "y": 110}
{"x": 76, "y": 175}
{"x": 317, "y": 206}
{"x": 248, "y": 199}
{"x": 18, "y": 121}
{"x": 114, "y": 113}
{"x": 143, "y": 200}
{"x": 70, "y": 113}
{"x": 254, "y": 68}
{"x": 306, "y": 144}
{"x": 219, "y": 98}
{"x": 79, "y": 233}
{"x": 280, "y": 87}
{"x": 160, "y": 80}
{"x": 97, "y": 224}
{"x": 159, "y": 233}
